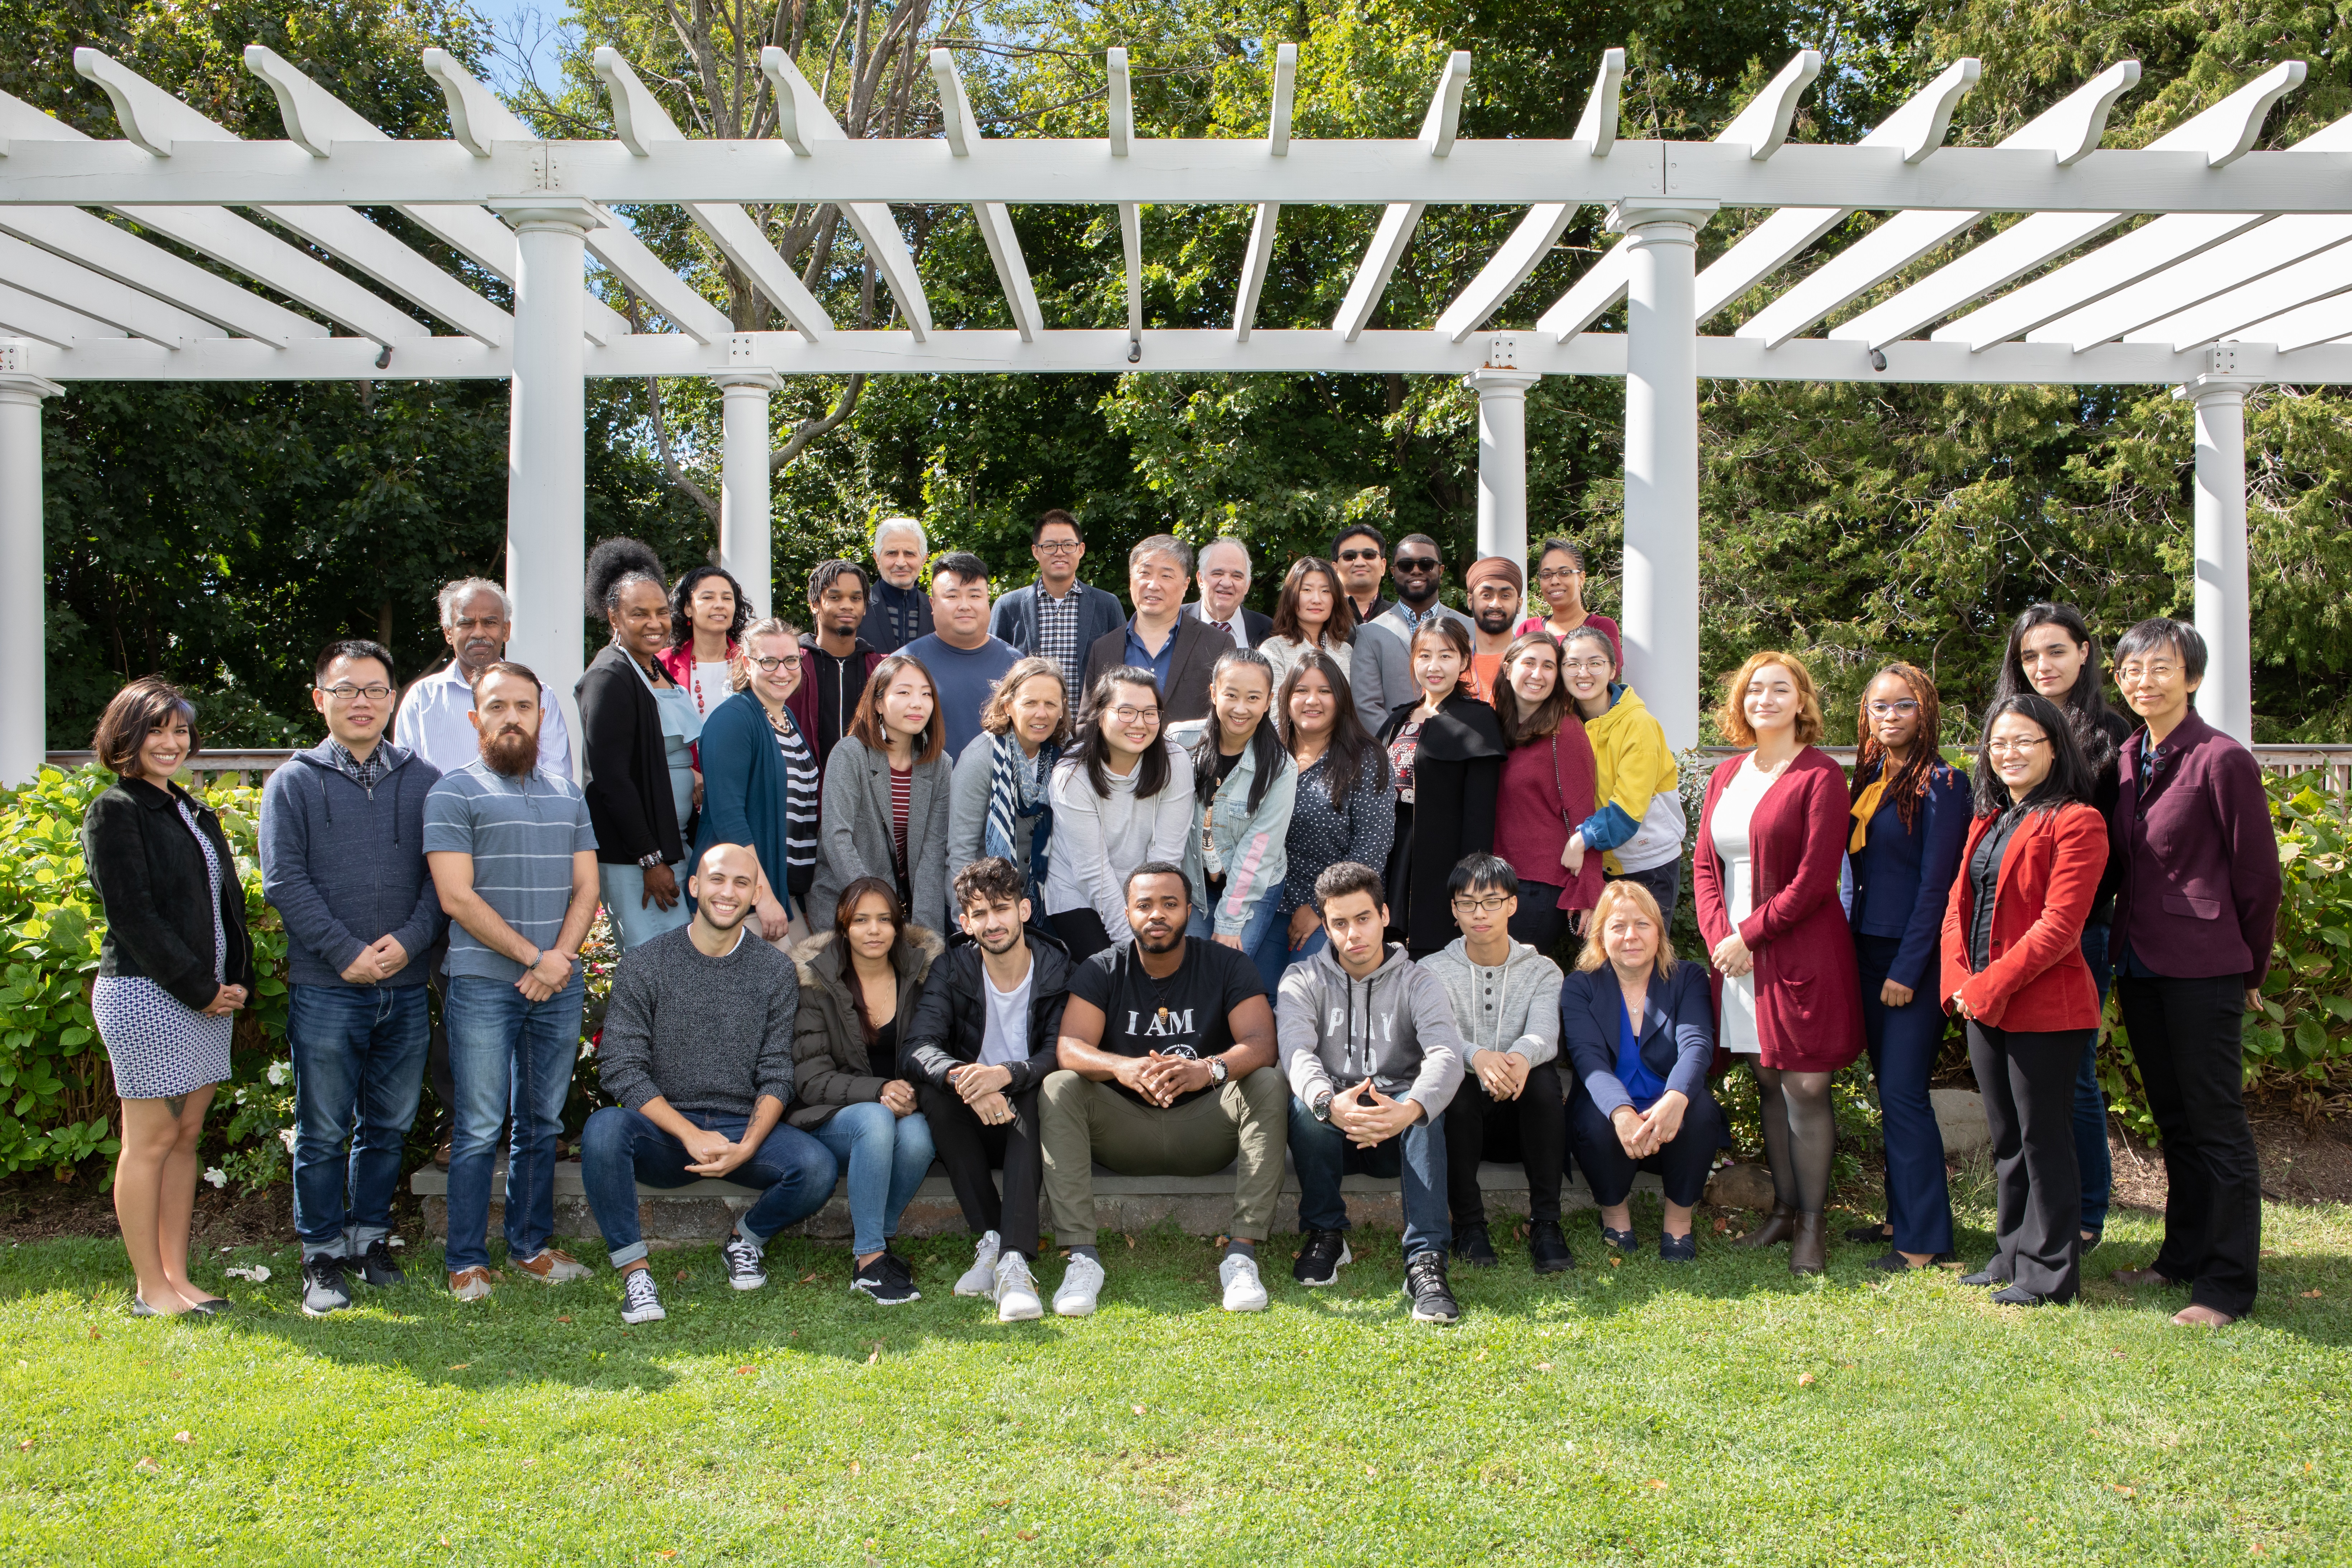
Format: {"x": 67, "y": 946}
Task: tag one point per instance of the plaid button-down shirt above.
{"x": 1057, "y": 639}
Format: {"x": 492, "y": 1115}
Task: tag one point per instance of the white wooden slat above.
{"x": 1399, "y": 219}
{"x": 50, "y": 277}
{"x": 874, "y": 224}
{"x": 29, "y": 315}
{"x": 1130, "y": 245}
{"x": 2320, "y": 321}
{"x": 1286, "y": 85}
{"x": 93, "y": 243}
{"x": 995, "y": 219}
{"x": 1514, "y": 260}
{"x": 2226, "y": 315}
{"x": 2250, "y": 256}
{"x": 1120, "y": 102}
{"x": 2117, "y": 265}
{"x": 1255, "y": 259}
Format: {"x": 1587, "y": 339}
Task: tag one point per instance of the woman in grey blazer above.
{"x": 886, "y": 795}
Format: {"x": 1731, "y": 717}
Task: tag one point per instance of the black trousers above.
{"x": 1682, "y": 1167}
{"x": 1666, "y": 885}
{"x": 970, "y": 1150}
{"x": 1530, "y": 1130}
{"x": 2186, "y": 1035}
{"x": 2027, "y": 1083}
{"x": 1083, "y": 932}
{"x": 1540, "y": 923}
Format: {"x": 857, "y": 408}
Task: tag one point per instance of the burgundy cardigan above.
{"x": 2035, "y": 980}
{"x": 1547, "y": 786}
{"x": 1808, "y": 991}
{"x": 2197, "y": 892}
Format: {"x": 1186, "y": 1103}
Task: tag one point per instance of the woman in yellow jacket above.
{"x": 1639, "y": 823}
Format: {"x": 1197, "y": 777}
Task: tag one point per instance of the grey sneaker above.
{"x": 979, "y": 1280}
{"x": 743, "y": 1267}
{"x": 640, "y": 1297}
{"x": 1082, "y": 1284}
{"x": 377, "y": 1267}
{"x": 324, "y": 1289}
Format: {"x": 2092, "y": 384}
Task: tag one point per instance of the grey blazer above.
{"x": 1014, "y": 618}
{"x": 854, "y": 837}
{"x": 1392, "y": 620}
{"x": 1380, "y": 672}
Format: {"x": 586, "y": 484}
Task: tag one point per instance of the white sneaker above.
{"x": 1081, "y": 1285}
{"x": 979, "y": 1280}
{"x": 1016, "y": 1290}
{"x": 1244, "y": 1292}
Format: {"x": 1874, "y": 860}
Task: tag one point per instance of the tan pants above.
{"x": 1081, "y": 1122}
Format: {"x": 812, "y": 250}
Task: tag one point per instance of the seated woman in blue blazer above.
{"x": 1640, "y": 1029}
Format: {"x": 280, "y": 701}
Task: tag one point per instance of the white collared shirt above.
{"x": 432, "y": 723}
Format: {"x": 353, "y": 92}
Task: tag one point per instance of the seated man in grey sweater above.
{"x": 698, "y": 1055}
{"x": 1505, "y": 997}
{"x": 1368, "y": 1043}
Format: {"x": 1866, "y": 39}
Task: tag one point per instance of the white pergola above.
{"x": 2243, "y": 276}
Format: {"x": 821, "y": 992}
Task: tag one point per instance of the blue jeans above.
{"x": 621, "y": 887}
{"x": 1253, "y": 933}
{"x": 2090, "y": 1101}
{"x": 1273, "y": 950}
{"x": 886, "y": 1156}
{"x": 358, "y": 1068}
{"x": 509, "y": 1058}
{"x": 619, "y": 1148}
{"x": 1322, "y": 1154}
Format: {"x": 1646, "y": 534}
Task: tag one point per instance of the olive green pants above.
{"x": 1081, "y": 1122}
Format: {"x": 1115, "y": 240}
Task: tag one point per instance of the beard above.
{"x": 1417, "y": 588}
{"x": 1167, "y": 943}
{"x": 1496, "y": 622}
{"x": 1004, "y": 945}
{"x": 513, "y": 751}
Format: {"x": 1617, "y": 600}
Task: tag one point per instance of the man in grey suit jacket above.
{"x": 1420, "y": 571}
{"x": 1073, "y": 617}
{"x": 1224, "y": 581}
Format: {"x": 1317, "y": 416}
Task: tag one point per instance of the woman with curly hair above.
{"x": 707, "y": 612}
{"x": 638, "y": 728}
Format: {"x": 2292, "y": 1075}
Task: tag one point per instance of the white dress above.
{"x": 1735, "y": 808}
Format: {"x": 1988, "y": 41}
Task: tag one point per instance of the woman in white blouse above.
{"x": 1122, "y": 796}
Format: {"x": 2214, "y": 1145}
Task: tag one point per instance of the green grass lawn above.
{"x": 1717, "y": 1413}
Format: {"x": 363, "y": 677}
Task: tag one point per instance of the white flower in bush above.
{"x": 279, "y": 1072}
{"x": 285, "y": 1136}
{"x": 216, "y": 1176}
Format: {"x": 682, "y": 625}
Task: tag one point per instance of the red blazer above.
{"x": 1808, "y": 993}
{"x": 2036, "y": 981}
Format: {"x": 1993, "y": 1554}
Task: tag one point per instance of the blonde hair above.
{"x": 1613, "y": 894}
{"x": 1732, "y": 717}
{"x": 739, "y": 675}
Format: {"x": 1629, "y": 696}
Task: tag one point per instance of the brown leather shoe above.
{"x": 1780, "y": 1227}
{"x": 1809, "y": 1249}
{"x": 441, "y": 1155}
{"x": 2142, "y": 1276}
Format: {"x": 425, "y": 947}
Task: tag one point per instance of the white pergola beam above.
{"x": 91, "y": 242}
{"x": 811, "y": 124}
{"x": 2114, "y": 267}
{"x": 1285, "y": 86}
{"x": 29, "y": 315}
{"x": 1763, "y": 123}
{"x": 1394, "y": 231}
{"x": 2321, "y": 321}
{"x": 2249, "y": 258}
{"x": 995, "y": 219}
{"x": 1121, "y": 102}
{"x": 135, "y": 311}
{"x": 2227, "y": 314}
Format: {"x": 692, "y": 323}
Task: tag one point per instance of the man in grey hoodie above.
{"x": 1367, "y": 1042}
{"x": 342, "y": 858}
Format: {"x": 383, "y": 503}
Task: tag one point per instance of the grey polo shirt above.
{"x": 523, "y": 833}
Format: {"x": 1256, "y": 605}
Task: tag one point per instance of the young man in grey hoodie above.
{"x": 1369, "y": 1045}
{"x": 1505, "y": 997}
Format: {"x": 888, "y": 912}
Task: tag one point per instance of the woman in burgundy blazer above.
{"x": 2013, "y": 968}
{"x": 1790, "y": 950}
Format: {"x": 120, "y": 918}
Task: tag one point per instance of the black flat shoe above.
{"x": 2017, "y": 1296}
{"x": 1893, "y": 1262}
{"x": 1619, "y": 1240}
{"x": 1982, "y": 1279}
{"x": 214, "y": 1306}
{"x": 1678, "y": 1248}
{"x": 1865, "y": 1234}
{"x": 140, "y": 1308}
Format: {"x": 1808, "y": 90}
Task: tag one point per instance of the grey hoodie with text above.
{"x": 1395, "y": 1028}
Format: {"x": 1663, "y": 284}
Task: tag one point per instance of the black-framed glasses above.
{"x": 1359, "y": 555}
{"x": 346, "y": 692}
{"x": 1060, "y": 546}
{"x": 770, "y": 665}
{"x": 1134, "y": 715}
{"x": 1491, "y": 905}
{"x": 1416, "y": 564}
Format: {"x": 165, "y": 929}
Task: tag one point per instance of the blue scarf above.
{"x": 1014, "y": 790}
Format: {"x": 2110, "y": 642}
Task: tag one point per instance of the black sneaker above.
{"x": 743, "y": 1266}
{"x": 1319, "y": 1262}
{"x": 888, "y": 1280}
{"x": 377, "y": 1267}
{"x": 1424, "y": 1283}
{"x": 324, "y": 1289}
{"x": 1982, "y": 1279}
{"x": 641, "y": 1297}
{"x": 1547, "y": 1250}
{"x": 1472, "y": 1247}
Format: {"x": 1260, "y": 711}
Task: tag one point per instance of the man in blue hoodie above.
{"x": 342, "y": 860}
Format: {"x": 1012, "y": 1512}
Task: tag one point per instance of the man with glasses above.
{"x": 1057, "y": 616}
{"x": 1418, "y": 573}
{"x": 1363, "y": 554}
{"x": 1225, "y": 581}
{"x": 1177, "y": 650}
{"x": 476, "y": 618}
{"x": 342, "y": 860}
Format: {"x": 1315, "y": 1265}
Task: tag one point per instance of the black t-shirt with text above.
{"x": 1190, "y": 1014}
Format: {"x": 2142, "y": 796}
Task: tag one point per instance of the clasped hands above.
{"x": 378, "y": 962}
{"x": 1641, "y": 1135}
{"x": 982, "y": 1089}
{"x": 1162, "y": 1079}
{"x": 1731, "y": 957}
{"x": 1502, "y": 1074}
{"x": 713, "y": 1153}
{"x": 1369, "y": 1117}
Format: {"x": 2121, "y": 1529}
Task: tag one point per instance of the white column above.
{"x": 547, "y": 447}
{"x": 24, "y": 696}
{"x": 2223, "y": 607}
{"x": 743, "y": 520}
{"x": 1661, "y": 618}
{"x": 1502, "y": 460}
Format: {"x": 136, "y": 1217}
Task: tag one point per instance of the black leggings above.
{"x": 1540, "y": 923}
{"x": 1532, "y": 1129}
{"x": 969, "y": 1149}
{"x": 1800, "y": 1135}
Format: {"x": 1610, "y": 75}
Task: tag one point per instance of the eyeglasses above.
{"x": 1559, "y": 573}
{"x": 1888, "y": 709}
{"x": 346, "y": 692}
{"x": 1135, "y": 715}
{"x": 1359, "y": 555}
{"x": 770, "y": 665}
{"x": 2014, "y": 748}
{"x": 1416, "y": 564}
{"x": 1487, "y": 905}
{"x": 1060, "y": 546}
{"x": 2147, "y": 671}
{"x": 1585, "y": 666}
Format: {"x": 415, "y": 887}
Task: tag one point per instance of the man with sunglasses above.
{"x": 1057, "y": 616}
{"x": 1419, "y": 572}
{"x": 1361, "y": 553}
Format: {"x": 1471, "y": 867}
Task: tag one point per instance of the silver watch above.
{"x": 1218, "y": 1072}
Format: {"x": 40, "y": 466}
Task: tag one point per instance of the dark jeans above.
{"x": 619, "y": 1148}
{"x": 2090, "y": 1101}
{"x": 359, "y": 1070}
{"x": 2186, "y": 1037}
{"x": 2028, "y": 1082}
{"x": 1666, "y": 885}
{"x": 970, "y": 1150}
{"x": 1540, "y": 923}
{"x": 1324, "y": 1155}
{"x": 1274, "y": 954}
{"x": 1083, "y": 932}
{"x": 1682, "y": 1167}
{"x": 512, "y": 1060}
{"x": 1532, "y": 1129}
{"x": 1903, "y": 1045}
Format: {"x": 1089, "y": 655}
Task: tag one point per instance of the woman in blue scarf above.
{"x": 998, "y": 801}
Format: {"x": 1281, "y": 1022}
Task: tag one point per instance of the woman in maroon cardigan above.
{"x": 1771, "y": 842}
{"x": 2013, "y": 968}
{"x": 1548, "y": 775}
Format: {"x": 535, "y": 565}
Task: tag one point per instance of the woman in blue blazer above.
{"x": 1911, "y": 812}
{"x": 760, "y": 779}
{"x": 1639, "y": 1031}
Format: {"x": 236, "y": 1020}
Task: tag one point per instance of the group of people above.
{"x": 1032, "y": 882}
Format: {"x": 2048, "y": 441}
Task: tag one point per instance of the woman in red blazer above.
{"x": 2013, "y": 968}
{"x": 1771, "y": 841}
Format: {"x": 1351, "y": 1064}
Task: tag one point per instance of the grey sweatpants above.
{"x": 1081, "y": 1121}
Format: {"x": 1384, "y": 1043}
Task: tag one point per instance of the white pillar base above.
{"x": 1502, "y": 460}
{"x": 744, "y": 526}
{"x": 2224, "y": 602}
{"x": 24, "y": 652}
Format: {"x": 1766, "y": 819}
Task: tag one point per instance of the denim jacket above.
{"x": 1252, "y": 845}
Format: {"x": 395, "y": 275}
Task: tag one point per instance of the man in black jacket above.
{"x": 981, "y": 1043}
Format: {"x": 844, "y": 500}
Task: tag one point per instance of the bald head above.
{"x": 725, "y": 885}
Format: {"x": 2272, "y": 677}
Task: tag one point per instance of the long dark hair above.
{"x": 1522, "y": 724}
{"x": 1908, "y": 786}
{"x": 1351, "y": 747}
{"x": 844, "y": 911}
{"x": 1264, "y": 741}
{"x": 2087, "y": 705}
{"x": 681, "y": 604}
{"x": 1092, "y": 748}
{"x": 2071, "y": 775}
{"x": 1341, "y": 626}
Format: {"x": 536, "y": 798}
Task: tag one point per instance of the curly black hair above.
{"x": 613, "y": 565}
{"x": 681, "y": 604}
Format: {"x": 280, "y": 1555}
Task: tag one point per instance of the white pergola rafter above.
{"x": 2242, "y": 277}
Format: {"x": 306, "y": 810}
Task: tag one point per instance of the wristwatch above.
{"x": 1322, "y": 1106}
{"x": 1218, "y": 1072}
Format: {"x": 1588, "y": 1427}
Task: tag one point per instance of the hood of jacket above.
{"x": 823, "y": 961}
{"x": 396, "y": 760}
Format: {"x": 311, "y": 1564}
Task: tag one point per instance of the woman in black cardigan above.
{"x": 637, "y": 730}
{"x": 1445, "y": 754}
{"x": 176, "y": 966}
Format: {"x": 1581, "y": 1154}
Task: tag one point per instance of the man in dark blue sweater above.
{"x": 342, "y": 858}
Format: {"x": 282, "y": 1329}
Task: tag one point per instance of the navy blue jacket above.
{"x": 1014, "y": 618}
{"x": 1676, "y": 1038}
{"x": 344, "y": 866}
{"x": 744, "y": 789}
{"x": 1903, "y": 877}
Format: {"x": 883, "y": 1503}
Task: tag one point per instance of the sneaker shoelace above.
{"x": 379, "y": 1256}
{"x": 638, "y": 1289}
{"x": 327, "y": 1270}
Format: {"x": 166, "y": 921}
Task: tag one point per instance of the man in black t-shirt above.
{"x": 1166, "y": 1054}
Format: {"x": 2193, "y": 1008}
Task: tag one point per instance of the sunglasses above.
{"x": 1416, "y": 564}
{"x": 1359, "y": 555}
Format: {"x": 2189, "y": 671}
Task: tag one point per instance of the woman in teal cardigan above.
{"x": 760, "y": 779}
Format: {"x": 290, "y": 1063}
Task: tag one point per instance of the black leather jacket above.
{"x": 952, "y": 1019}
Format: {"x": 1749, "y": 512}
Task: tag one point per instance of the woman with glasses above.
{"x": 2013, "y": 968}
{"x": 1560, "y": 575}
{"x": 1445, "y": 752}
{"x": 1637, "y": 821}
{"x": 1910, "y": 815}
{"x": 1546, "y": 793}
{"x": 1122, "y": 796}
{"x": 760, "y": 779}
{"x": 1343, "y": 807}
{"x": 2052, "y": 654}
